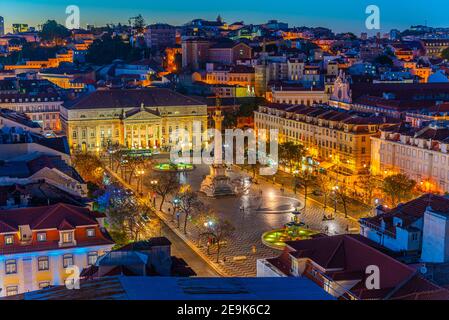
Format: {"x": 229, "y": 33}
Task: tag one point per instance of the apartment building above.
{"x": 42, "y": 108}
{"x": 422, "y": 154}
{"x": 340, "y": 265}
{"x": 38, "y": 244}
{"x": 334, "y": 137}
{"x": 297, "y": 94}
{"x": 417, "y": 228}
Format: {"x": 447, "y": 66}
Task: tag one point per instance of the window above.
{"x": 42, "y": 236}
{"x": 42, "y": 263}
{"x": 67, "y": 237}
{"x": 10, "y": 266}
{"x": 67, "y": 260}
{"x": 92, "y": 258}
{"x": 90, "y": 233}
{"x": 12, "y": 291}
{"x": 9, "y": 239}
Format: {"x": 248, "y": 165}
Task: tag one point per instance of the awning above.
{"x": 326, "y": 165}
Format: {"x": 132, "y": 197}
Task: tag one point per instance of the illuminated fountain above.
{"x": 292, "y": 231}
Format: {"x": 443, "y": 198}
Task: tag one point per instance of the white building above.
{"x": 422, "y": 154}
{"x": 418, "y": 227}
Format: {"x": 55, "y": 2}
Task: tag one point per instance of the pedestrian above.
{"x": 254, "y": 249}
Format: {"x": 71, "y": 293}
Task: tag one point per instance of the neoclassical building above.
{"x": 135, "y": 118}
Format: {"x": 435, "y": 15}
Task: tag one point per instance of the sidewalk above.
{"x": 356, "y": 210}
{"x": 163, "y": 216}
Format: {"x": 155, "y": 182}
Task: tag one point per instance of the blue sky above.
{"x": 340, "y": 15}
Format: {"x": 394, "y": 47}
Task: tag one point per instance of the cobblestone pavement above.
{"x": 263, "y": 212}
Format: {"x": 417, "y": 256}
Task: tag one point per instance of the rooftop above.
{"x": 131, "y": 98}
{"x": 346, "y": 258}
{"x": 148, "y": 288}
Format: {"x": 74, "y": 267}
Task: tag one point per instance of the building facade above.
{"x": 136, "y": 119}
{"x": 332, "y": 136}
{"x": 160, "y": 35}
{"x": 298, "y": 95}
{"x": 422, "y": 154}
{"x": 38, "y": 245}
{"x": 41, "y": 108}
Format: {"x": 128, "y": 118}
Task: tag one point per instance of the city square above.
{"x": 198, "y": 156}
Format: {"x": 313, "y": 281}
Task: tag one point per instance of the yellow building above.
{"x": 42, "y": 246}
{"x": 137, "y": 118}
{"x": 50, "y": 63}
{"x": 334, "y": 138}
{"x": 420, "y": 153}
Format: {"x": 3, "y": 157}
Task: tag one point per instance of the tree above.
{"x": 369, "y": 184}
{"x": 341, "y": 193}
{"x": 398, "y": 188}
{"x": 306, "y": 180}
{"x": 116, "y": 154}
{"x": 54, "y": 32}
{"x": 163, "y": 184}
{"x": 445, "y": 54}
{"x": 139, "y": 24}
{"x": 291, "y": 154}
{"x": 216, "y": 228}
{"x": 324, "y": 184}
{"x": 132, "y": 163}
{"x": 384, "y": 60}
{"x": 189, "y": 203}
{"x": 89, "y": 166}
{"x": 128, "y": 219}
{"x": 107, "y": 49}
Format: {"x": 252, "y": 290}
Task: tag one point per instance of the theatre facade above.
{"x": 133, "y": 118}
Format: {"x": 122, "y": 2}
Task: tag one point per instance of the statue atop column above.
{"x": 217, "y": 183}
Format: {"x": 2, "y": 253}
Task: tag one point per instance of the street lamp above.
{"x": 335, "y": 189}
{"x": 140, "y": 174}
{"x": 153, "y": 184}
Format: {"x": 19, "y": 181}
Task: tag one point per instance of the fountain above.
{"x": 292, "y": 231}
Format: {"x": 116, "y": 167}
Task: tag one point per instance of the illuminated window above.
{"x": 67, "y": 260}
{"x": 42, "y": 236}
{"x": 90, "y": 233}
{"x": 10, "y": 266}
{"x": 67, "y": 237}
{"x": 12, "y": 290}
{"x": 9, "y": 240}
{"x": 42, "y": 263}
{"x": 92, "y": 258}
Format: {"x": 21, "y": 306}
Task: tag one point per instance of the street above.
{"x": 181, "y": 250}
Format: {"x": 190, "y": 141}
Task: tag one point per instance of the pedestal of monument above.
{"x": 217, "y": 184}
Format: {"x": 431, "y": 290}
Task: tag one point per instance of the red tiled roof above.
{"x": 49, "y": 217}
{"x": 347, "y": 256}
{"x": 411, "y": 211}
{"x": 131, "y": 98}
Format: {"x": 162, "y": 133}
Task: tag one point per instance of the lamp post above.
{"x": 154, "y": 184}
{"x": 334, "y": 190}
{"x": 140, "y": 173}
{"x": 295, "y": 181}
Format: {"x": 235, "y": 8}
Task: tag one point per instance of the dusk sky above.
{"x": 343, "y": 15}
